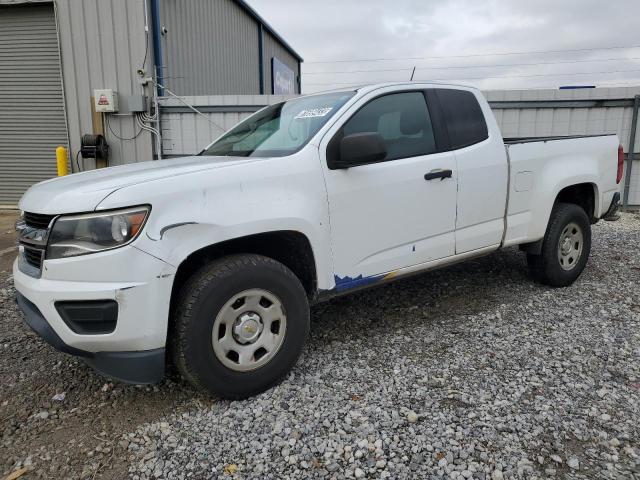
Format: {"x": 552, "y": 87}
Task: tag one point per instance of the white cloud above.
{"x": 396, "y": 29}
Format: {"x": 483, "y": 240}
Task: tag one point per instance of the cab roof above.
{"x": 365, "y": 88}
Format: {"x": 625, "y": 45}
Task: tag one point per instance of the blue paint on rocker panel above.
{"x": 348, "y": 283}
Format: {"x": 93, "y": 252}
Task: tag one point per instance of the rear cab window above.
{"x": 401, "y": 119}
{"x": 463, "y": 117}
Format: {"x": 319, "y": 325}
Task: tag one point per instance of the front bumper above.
{"x": 130, "y": 367}
{"x": 140, "y": 284}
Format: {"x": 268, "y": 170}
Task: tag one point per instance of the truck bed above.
{"x": 540, "y": 167}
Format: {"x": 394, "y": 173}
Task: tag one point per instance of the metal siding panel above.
{"x": 613, "y": 119}
{"x": 32, "y": 122}
{"x": 211, "y": 48}
{"x": 510, "y": 123}
{"x": 273, "y": 48}
{"x": 102, "y": 47}
{"x": 76, "y": 71}
{"x": 578, "y": 121}
{"x": 561, "y": 121}
{"x": 634, "y": 189}
{"x": 527, "y": 123}
{"x": 543, "y": 121}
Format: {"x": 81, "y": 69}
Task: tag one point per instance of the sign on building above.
{"x": 282, "y": 78}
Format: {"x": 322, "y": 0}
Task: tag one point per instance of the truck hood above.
{"x": 83, "y": 192}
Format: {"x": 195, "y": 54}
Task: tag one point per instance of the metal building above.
{"x": 230, "y": 50}
{"x": 55, "y": 53}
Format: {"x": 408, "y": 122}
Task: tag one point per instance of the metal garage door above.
{"x": 32, "y": 121}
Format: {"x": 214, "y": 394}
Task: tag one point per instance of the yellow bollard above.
{"x": 61, "y": 159}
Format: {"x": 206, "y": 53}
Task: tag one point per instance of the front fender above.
{"x": 196, "y": 211}
{"x": 177, "y": 242}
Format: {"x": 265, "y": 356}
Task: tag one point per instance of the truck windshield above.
{"x": 279, "y": 130}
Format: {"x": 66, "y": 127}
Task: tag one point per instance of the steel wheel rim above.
{"x": 249, "y": 330}
{"x": 570, "y": 246}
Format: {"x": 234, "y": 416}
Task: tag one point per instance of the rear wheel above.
{"x": 240, "y": 325}
{"x": 565, "y": 248}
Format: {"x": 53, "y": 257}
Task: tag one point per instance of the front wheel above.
{"x": 240, "y": 324}
{"x": 565, "y": 248}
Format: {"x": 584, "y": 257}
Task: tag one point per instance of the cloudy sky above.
{"x": 491, "y": 44}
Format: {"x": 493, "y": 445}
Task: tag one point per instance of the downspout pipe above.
{"x": 157, "y": 44}
{"x": 261, "y": 57}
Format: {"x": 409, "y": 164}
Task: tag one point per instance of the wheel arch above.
{"x": 584, "y": 194}
{"x": 291, "y": 248}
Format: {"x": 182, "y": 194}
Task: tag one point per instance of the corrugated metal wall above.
{"x": 211, "y": 48}
{"x": 526, "y": 118}
{"x": 32, "y": 120}
{"x": 532, "y": 121}
{"x": 273, "y": 48}
{"x": 186, "y": 133}
{"x": 103, "y": 44}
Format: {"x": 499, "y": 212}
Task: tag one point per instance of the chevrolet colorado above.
{"x": 213, "y": 260}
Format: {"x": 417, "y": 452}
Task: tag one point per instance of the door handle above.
{"x": 439, "y": 173}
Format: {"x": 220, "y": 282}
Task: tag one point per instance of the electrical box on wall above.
{"x": 133, "y": 103}
{"x": 106, "y": 101}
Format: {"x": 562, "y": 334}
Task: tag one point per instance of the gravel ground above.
{"x": 467, "y": 372}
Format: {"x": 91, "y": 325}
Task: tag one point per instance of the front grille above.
{"x": 37, "y": 220}
{"x": 33, "y": 256}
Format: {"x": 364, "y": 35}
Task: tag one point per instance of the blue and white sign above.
{"x": 282, "y": 78}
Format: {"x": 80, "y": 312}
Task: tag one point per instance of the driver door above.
{"x": 395, "y": 213}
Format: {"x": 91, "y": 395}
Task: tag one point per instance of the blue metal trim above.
{"x": 261, "y": 56}
{"x": 272, "y": 80}
{"x": 157, "y": 43}
{"x": 344, "y": 284}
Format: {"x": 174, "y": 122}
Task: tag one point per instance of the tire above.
{"x": 226, "y": 312}
{"x": 565, "y": 248}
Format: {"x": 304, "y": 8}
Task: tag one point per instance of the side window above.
{"x": 463, "y": 116}
{"x": 403, "y": 121}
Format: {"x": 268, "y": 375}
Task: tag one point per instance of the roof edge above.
{"x": 256, "y": 16}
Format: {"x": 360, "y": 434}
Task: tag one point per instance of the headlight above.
{"x": 94, "y": 232}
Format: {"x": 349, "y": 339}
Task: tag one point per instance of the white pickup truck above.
{"x": 213, "y": 260}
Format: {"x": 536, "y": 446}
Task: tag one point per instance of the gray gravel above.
{"x": 468, "y": 372}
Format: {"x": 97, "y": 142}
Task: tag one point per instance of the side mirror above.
{"x": 359, "y": 149}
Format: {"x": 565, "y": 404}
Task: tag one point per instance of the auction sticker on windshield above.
{"x": 314, "y": 112}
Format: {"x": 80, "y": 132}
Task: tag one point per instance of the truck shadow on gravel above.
{"x": 457, "y": 291}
